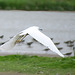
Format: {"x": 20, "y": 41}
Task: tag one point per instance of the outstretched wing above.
{"x": 12, "y": 42}
{"x": 46, "y": 41}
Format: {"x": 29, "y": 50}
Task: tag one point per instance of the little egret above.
{"x": 36, "y": 34}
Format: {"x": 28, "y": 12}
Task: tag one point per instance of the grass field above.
{"x": 34, "y": 65}
{"x": 60, "y": 5}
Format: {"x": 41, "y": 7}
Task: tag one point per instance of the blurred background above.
{"x": 60, "y": 5}
{"x": 55, "y": 17}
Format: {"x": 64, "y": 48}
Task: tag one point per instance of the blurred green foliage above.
{"x": 60, "y": 5}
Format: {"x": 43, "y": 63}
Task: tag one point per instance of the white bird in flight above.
{"x": 36, "y": 34}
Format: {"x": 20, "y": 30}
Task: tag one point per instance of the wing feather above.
{"x": 11, "y": 43}
{"x": 46, "y": 41}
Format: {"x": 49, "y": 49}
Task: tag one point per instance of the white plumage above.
{"x": 36, "y": 34}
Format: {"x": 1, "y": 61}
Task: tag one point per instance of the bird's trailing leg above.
{"x": 21, "y": 38}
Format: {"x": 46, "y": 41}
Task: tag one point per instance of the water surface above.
{"x": 57, "y": 25}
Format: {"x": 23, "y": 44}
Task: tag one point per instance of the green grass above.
{"x": 60, "y": 5}
{"x": 37, "y": 65}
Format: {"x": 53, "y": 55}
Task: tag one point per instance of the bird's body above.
{"x": 46, "y": 49}
{"x": 36, "y": 34}
{"x": 70, "y": 45}
{"x": 68, "y": 53}
{"x": 69, "y": 42}
{"x": 29, "y": 43}
{"x": 60, "y": 48}
{"x": 57, "y": 43}
{"x": 1, "y": 36}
